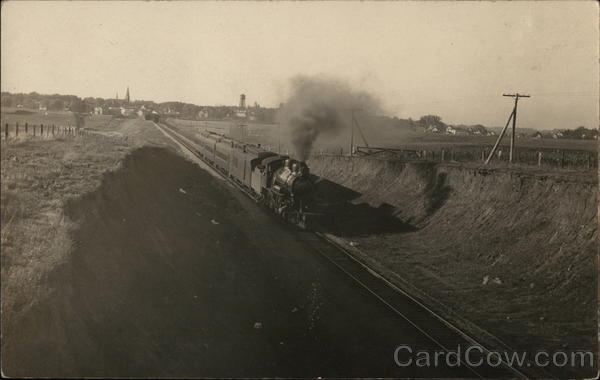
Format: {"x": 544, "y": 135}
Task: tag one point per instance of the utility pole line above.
{"x": 352, "y": 133}
{"x": 514, "y": 122}
{"x": 513, "y": 116}
{"x": 354, "y": 124}
{"x": 279, "y": 137}
{"x": 360, "y": 130}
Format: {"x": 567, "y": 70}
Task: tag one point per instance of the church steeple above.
{"x": 127, "y": 95}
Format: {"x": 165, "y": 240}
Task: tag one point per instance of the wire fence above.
{"x": 18, "y": 131}
{"x": 548, "y": 157}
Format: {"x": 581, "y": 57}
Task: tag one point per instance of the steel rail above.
{"x": 189, "y": 145}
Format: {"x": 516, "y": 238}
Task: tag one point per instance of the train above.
{"x": 279, "y": 182}
{"x": 152, "y": 116}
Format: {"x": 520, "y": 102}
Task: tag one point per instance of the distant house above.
{"x": 450, "y": 130}
{"x": 537, "y": 135}
{"x": 433, "y": 129}
{"x": 98, "y": 111}
{"x": 115, "y": 111}
{"x": 203, "y": 114}
{"x": 557, "y": 135}
{"x": 126, "y": 111}
{"x": 43, "y": 107}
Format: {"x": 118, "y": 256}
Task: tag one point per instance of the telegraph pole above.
{"x": 352, "y": 134}
{"x": 279, "y": 137}
{"x": 514, "y": 122}
{"x": 354, "y": 124}
{"x": 513, "y": 117}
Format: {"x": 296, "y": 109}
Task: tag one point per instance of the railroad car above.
{"x": 223, "y": 149}
{"x": 206, "y": 146}
{"x": 152, "y": 116}
{"x": 279, "y": 182}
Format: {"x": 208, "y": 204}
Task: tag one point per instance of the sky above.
{"x": 452, "y": 59}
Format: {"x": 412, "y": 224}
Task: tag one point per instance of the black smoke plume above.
{"x": 321, "y": 107}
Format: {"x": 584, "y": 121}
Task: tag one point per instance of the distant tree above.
{"x": 7, "y": 101}
{"x": 478, "y": 128}
{"x": 77, "y": 106}
{"x": 189, "y": 110}
{"x": 29, "y": 102}
{"x": 90, "y": 102}
{"x": 78, "y": 120}
{"x": 57, "y": 105}
{"x": 428, "y": 120}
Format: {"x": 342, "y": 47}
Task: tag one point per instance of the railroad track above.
{"x": 436, "y": 328}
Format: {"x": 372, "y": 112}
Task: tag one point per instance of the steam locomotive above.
{"x": 279, "y": 182}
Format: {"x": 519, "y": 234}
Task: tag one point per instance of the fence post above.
{"x": 539, "y": 158}
{"x": 589, "y": 160}
{"x": 52, "y": 129}
{"x": 483, "y": 155}
{"x": 42, "y": 130}
{"x": 26, "y": 128}
{"x": 34, "y": 130}
{"x": 6, "y": 130}
{"x": 17, "y": 130}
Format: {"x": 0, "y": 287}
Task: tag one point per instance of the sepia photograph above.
{"x": 299, "y": 189}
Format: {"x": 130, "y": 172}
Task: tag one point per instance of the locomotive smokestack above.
{"x": 242, "y": 101}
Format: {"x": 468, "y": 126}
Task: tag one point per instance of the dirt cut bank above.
{"x": 513, "y": 252}
{"x": 174, "y": 273}
{"x": 127, "y": 300}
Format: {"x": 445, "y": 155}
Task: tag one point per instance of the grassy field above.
{"x": 400, "y": 139}
{"x": 38, "y": 177}
{"x": 12, "y": 116}
{"x": 35, "y": 117}
{"x": 439, "y": 141}
{"x": 565, "y": 154}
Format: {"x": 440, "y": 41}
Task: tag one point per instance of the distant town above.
{"x": 126, "y": 107}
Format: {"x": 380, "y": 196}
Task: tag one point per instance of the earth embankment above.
{"x": 511, "y": 250}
